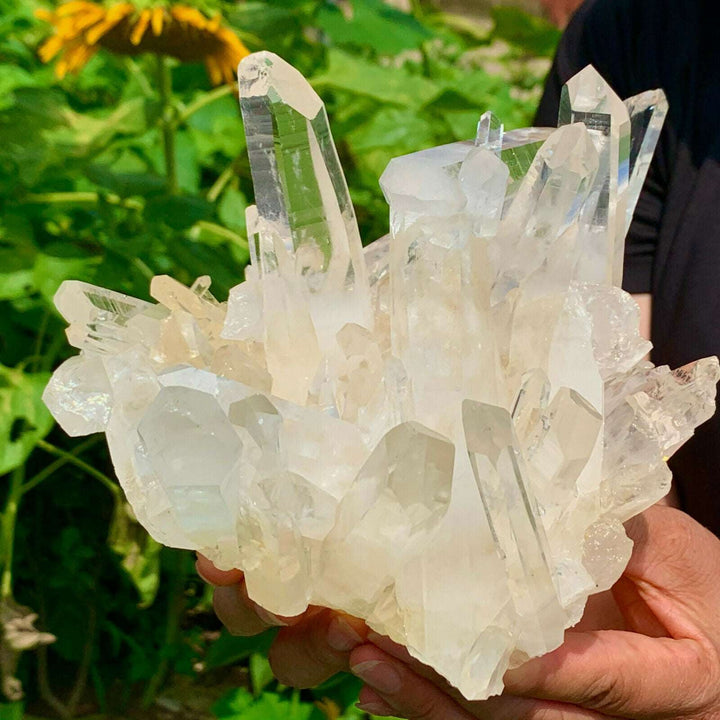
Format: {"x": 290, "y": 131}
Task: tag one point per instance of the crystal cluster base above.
{"x": 442, "y": 433}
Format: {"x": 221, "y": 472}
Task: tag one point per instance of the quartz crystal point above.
{"x": 441, "y": 434}
{"x": 587, "y": 98}
{"x": 302, "y": 198}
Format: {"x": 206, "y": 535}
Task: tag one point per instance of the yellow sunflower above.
{"x": 82, "y": 27}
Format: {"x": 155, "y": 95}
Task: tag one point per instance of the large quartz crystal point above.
{"x": 647, "y": 115}
{"x": 300, "y": 190}
{"x": 647, "y": 419}
{"x": 511, "y": 507}
{"x": 192, "y": 447}
{"x": 98, "y": 317}
{"x": 442, "y": 201}
{"x": 397, "y": 499}
{"x": 79, "y": 395}
{"x": 588, "y": 98}
{"x": 547, "y": 204}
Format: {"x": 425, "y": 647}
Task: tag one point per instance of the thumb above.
{"x": 622, "y": 673}
{"x": 673, "y": 570}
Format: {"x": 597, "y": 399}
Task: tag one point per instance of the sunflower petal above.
{"x": 158, "y": 14}
{"x": 214, "y": 24}
{"x": 75, "y": 6}
{"x": 213, "y": 70}
{"x": 46, "y": 15}
{"x": 50, "y": 48}
{"x": 114, "y": 16}
{"x": 140, "y": 27}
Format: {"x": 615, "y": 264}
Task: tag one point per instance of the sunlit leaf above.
{"x": 374, "y": 24}
{"x": 50, "y": 271}
{"x": 24, "y": 419}
{"x": 389, "y": 85}
{"x": 140, "y": 554}
{"x": 530, "y": 32}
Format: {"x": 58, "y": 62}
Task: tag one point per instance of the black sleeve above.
{"x": 603, "y": 33}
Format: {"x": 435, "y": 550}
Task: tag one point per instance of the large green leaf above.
{"x": 24, "y": 419}
{"x": 239, "y": 704}
{"x": 51, "y": 270}
{"x": 393, "y": 86}
{"x": 126, "y": 184}
{"x": 372, "y": 23}
{"x": 140, "y": 554}
{"x": 13, "y": 77}
{"x": 177, "y": 211}
{"x": 395, "y": 128}
{"x": 533, "y": 34}
{"x": 229, "y": 649}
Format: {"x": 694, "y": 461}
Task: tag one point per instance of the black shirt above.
{"x": 673, "y": 247}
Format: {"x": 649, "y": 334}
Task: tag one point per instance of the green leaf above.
{"x": 229, "y": 649}
{"x": 231, "y": 209}
{"x": 187, "y": 164}
{"x": 13, "y": 77}
{"x": 24, "y": 419}
{"x": 51, "y": 271}
{"x": 373, "y": 24}
{"x": 139, "y": 552}
{"x": 17, "y": 257}
{"x": 261, "y": 674}
{"x": 177, "y": 211}
{"x": 394, "y": 128}
{"x": 12, "y": 711}
{"x": 393, "y": 86}
{"x": 239, "y": 704}
{"x": 463, "y": 123}
{"x": 126, "y": 184}
{"x": 531, "y": 33}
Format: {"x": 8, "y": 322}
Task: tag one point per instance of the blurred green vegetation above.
{"x": 85, "y": 194}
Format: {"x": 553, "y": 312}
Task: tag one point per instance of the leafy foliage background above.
{"x": 83, "y": 195}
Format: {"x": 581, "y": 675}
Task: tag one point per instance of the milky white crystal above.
{"x": 441, "y": 434}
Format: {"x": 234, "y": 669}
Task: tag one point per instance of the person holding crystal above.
{"x": 650, "y": 648}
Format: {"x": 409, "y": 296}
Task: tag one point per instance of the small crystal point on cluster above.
{"x": 441, "y": 434}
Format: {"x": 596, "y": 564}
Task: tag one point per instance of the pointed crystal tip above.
{"x": 264, "y": 73}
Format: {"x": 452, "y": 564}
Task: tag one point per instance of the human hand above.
{"x": 665, "y": 663}
{"x": 308, "y": 649}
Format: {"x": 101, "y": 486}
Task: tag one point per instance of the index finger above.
{"x": 211, "y": 575}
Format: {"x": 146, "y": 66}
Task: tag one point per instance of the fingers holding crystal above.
{"x": 240, "y": 615}
{"x": 211, "y": 575}
{"x": 394, "y": 688}
{"x": 315, "y": 648}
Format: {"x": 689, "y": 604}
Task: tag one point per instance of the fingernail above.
{"x": 341, "y": 636}
{"x": 269, "y": 618}
{"x": 375, "y": 708}
{"x": 379, "y": 675}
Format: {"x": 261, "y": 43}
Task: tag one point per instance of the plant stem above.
{"x": 113, "y": 487}
{"x": 175, "y": 608}
{"x": 78, "y": 198}
{"x": 167, "y": 123}
{"x": 219, "y": 185}
{"x": 202, "y": 101}
{"x": 135, "y": 70}
{"x": 9, "y": 517}
{"x": 142, "y": 266}
{"x": 48, "y": 470}
{"x": 222, "y": 232}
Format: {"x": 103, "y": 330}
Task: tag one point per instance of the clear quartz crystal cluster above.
{"x": 441, "y": 434}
